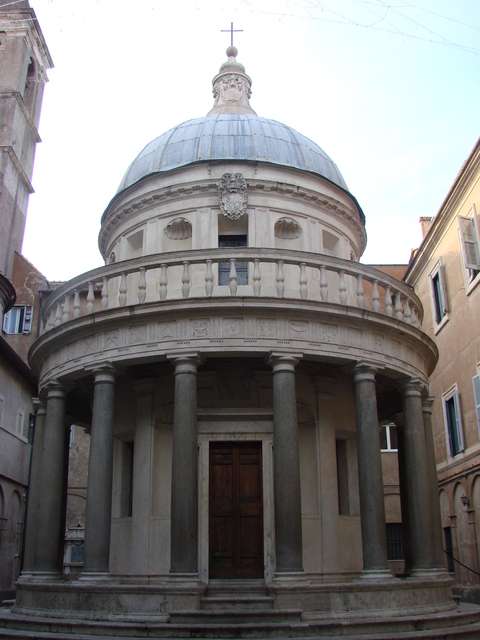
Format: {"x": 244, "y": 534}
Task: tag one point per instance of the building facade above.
{"x": 445, "y": 273}
{"x": 24, "y": 61}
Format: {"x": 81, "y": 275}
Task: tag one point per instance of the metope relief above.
{"x": 232, "y": 194}
{"x": 137, "y": 335}
{"x": 233, "y": 327}
{"x": 200, "y": 328}
{"x": 298, "y": 329}
{"x": 167, "y": 330}
{"x": 267, "y": 328}
{"x": 329, "y": 333}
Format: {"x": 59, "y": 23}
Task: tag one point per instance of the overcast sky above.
{"x": 390, "y": 90}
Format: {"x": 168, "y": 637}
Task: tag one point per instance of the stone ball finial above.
{"x": 232, "y": 52}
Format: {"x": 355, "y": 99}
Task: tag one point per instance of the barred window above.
{"x": 395, "y": 541}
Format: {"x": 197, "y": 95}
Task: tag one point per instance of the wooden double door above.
{"x": 236, "y": 510}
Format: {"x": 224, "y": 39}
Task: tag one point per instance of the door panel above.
{"x": 236, "y": 510}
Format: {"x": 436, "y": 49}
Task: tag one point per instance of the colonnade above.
{"x": 46, "y": 511}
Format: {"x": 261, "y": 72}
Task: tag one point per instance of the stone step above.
{"x": 461, "y": 624}
{"x": 236, "y": 602}
{"x": 236, "y": 616}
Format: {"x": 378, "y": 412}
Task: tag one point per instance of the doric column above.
{"x": 438, "y": 555}
{"x": 418, "y": 488}
{"x": 370, "y": 476}
{"x": 184, "y": 509}
{"x": 286, "y": 466}
{"x": 98, "y": 514}
{"x": 50, "y": 532}
{"x": 35, "y": 488}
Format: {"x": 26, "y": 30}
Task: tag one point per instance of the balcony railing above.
{"x": 295, "y": 275}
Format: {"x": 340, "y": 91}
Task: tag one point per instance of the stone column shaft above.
{"x": 50, "y": 534}
{"x": 287, "y": 498}
{"x": 35, "y": 489}
{"x": 98, "y": 515}
{"x": 184, "y": 509}
{"x": 418, "y": 487}
{"x": 438, "y": 555}
{"x": 370, "y": 476}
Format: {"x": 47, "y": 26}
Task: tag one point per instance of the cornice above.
{"x": 468, "y": 175}
{"x": 18, "y": 166}
{"x": 16, "y": 95}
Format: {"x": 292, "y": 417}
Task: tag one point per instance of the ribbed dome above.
{"x": 231, "y": 136}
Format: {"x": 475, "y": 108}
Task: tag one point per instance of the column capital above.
{"x": 40, "y": 406}
{"x": 55, "y": 389}
{"x": 412, "y": 387}
{"x": 103, "y": 372}
{"x": 186, "y": 362}
{"x": 363, "y": 371}
{"x": 283, "y": 361}
{"x": 427, "y": 402}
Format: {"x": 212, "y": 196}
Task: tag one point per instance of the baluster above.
{"x": 342, "y": 287}
{"x": 323, "y": 284}
{"x": 209, "y": 279}
{"x": 105, "y": 294}
{"x": 58, "y": 315}
{"x": 398, "y": 306}
{"x": 66, "y": 309}
{"x": 360, "y": 292}
{"x": 163, "y": 281}
{"x": 233, "y": 277}
{"x": 257, "y": 285}
{"x": 375, "y": 296}
{"x": 416, "y": 318}
{"x": 303, "y": 281}
{"x": 186, "y": 279}
{"x": 51, "y": 319}
{"x": 407, "y": 312}
{"x": 388, "y": 302}
{"x": 122, "y": 298}
{"x": 280, "y": 279}
{"x": 90, "y": 298}
{"x": 142, "y": 286}
{"x": 76, "y": 303}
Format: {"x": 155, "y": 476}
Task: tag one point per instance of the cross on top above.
{"x": 232, "y": 31}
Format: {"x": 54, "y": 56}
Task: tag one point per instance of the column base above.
{"x": 429, "y": 572}
{"x": 376, "y": 574}
{"x": 40, "y": 576}
{"x": 95, "y": 576}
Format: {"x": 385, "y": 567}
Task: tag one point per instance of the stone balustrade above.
{"x": 296, "y": 275}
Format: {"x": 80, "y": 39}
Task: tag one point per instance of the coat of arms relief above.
{"x": 232, "y": 193}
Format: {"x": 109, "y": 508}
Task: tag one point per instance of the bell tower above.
{"x": 24, "y": 60}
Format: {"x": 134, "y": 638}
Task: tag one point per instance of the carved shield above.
{"x": 232, "y": 193}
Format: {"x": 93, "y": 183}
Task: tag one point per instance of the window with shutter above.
{"x": 468, "y": 231}
{"x": 476, "y": 395}
{"x": 453, "y": 421}
{"x": 18, "y": 319}
{"x": 438, "y": 296}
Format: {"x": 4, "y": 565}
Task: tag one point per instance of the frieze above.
{"x": 111, "y": 340}
{"x": 298, "y": 329}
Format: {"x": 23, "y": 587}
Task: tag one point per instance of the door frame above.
{"x": 221, "y": 425}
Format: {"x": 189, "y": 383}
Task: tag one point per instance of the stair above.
{"x": 460, "y": 624}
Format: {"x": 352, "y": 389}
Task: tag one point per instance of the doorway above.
{"x": 235, "y": 510}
